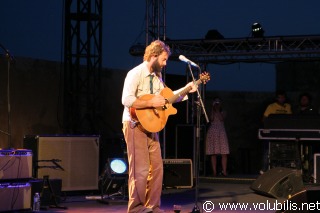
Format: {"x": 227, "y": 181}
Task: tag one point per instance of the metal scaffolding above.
{"x": 83, "y": 64}
{"x": 266, "y": 49}
{"x": 156, "y": 20}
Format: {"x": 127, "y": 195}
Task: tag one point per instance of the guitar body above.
{"x": 154, "y": 119}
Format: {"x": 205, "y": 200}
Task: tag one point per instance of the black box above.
{"x": 177, "y": 173}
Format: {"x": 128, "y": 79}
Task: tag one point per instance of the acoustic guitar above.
{"x": 154, "y": 119}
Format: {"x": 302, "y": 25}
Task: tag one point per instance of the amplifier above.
{"x": 177, "y": 173}
{"x": 15, "y": 196}
{"x": 73, "y": 159}
{"x": 15, "y": 164}
{"x": 316, "y": 168}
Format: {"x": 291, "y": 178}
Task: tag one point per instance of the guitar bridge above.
{"x": 156, "y": 112}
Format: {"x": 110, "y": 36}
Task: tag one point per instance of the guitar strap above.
{"x": 140, "y": 127}
{"x": 160, "y": 78}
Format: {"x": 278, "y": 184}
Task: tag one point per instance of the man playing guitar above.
{"x": 143, "y": 147}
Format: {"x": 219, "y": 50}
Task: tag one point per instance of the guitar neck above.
{"x": 182, "y": 93}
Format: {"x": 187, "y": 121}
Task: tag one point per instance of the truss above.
{"x": 267, "y": 49}
{"x": 156, "y": 20}
{"x": 83, "y": 64}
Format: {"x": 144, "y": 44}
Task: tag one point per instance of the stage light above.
{"x": 118, "y": 166}
{"x": 115, "y": 167}
{"x": 257, "y": 31}
{"x": 113, "y": 180}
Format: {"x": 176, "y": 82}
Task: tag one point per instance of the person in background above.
{"x": 216, "y": 138}
{"x": 279, "y": 106}
{"x": 305, "y": 105}
{"x": 143, "y": 148}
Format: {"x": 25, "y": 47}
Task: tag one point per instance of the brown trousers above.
{"x": 145, "y": 169}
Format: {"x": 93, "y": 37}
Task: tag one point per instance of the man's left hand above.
{"x": 193, "y": 86}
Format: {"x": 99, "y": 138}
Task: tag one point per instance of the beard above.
{"x": 156, "y": 67}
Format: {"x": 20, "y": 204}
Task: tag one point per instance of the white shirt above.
{"x": 136, "y": 84}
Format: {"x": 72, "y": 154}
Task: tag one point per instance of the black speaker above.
{"x": 303, "y": 202}
{"x": 279, "y": 182}
{"x": 177, "y": 173}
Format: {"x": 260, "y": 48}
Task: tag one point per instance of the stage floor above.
{"x": 214, "y": 192}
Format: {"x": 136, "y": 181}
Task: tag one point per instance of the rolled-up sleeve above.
{"x": 181, "y": 98}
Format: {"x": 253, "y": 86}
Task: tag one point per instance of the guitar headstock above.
{"x": 204, "y": 77}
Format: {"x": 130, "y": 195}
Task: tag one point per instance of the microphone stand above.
{"x": 9, "y": 58}
{"x": 200, "y": 106}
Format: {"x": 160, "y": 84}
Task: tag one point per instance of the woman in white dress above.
{"x": 217, "y": 140}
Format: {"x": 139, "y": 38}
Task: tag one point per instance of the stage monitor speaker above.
{"x": 15, "y": 197}
{"x": 177, "y": 173}
{"x": 303, "y": 202}
{"x": 279, "y": 182}
{"x": 15, "y": 164}
{"x": 73, "y": 159}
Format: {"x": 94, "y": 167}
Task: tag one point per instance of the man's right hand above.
{"x": 157, "y": 101}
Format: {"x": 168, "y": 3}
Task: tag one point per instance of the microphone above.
{"x": 184, "y": 59}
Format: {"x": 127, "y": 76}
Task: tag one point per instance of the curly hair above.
{"x": 155, "y": 49}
